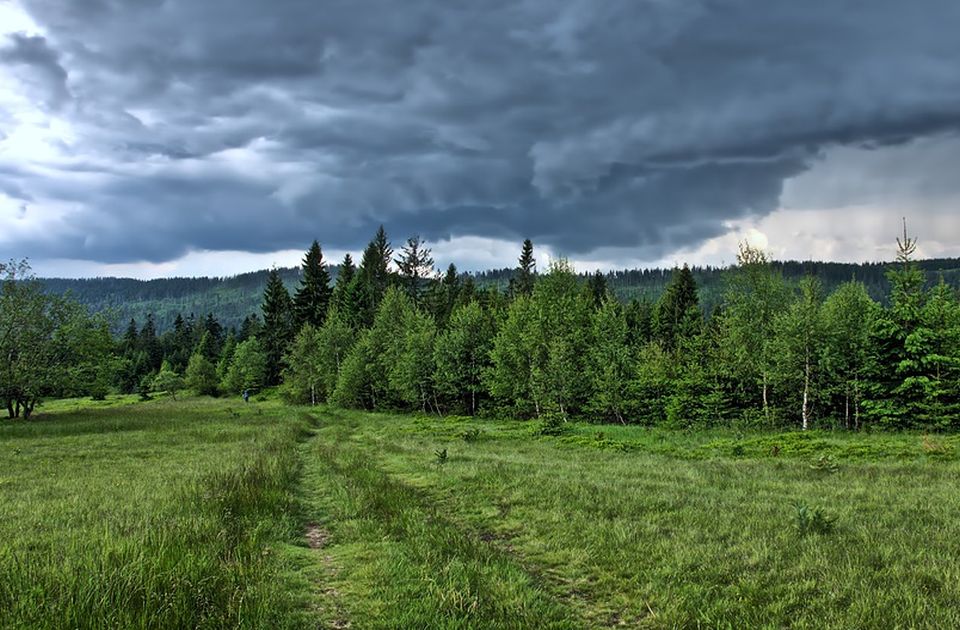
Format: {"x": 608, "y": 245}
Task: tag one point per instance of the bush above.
{"x": 552, "y": 423}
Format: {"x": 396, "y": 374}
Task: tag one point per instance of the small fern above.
{"x": 812, "y": 520}
{"x": 440, "y": 456}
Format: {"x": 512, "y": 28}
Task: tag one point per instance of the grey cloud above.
{"x": 257, "y": 125}
{"x": 34, "y": 54}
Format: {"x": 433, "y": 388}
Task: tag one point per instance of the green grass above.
{"x": 670, "y": 531}
{"x": 193, "y": 513}
{"x": 163, "y": 514}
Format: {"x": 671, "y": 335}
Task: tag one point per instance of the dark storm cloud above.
{"x": 646, "y": 124}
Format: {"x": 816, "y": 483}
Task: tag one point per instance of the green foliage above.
{"x": 610, "y": 366}
{"x": 49, "y": 345}
{"x": 440, "y": 456}
{"x": 248, "y": 368}
{"x": 462, "y": 356}
{"x": 812, "y": 520}
{"x": 279, "y": 326}
{"x": 201, "y": 376}
{"x": 312, "y": 299}
{"x": 168, "y": 381}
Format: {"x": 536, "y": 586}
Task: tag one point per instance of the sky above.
{"x": 151, "y": 138}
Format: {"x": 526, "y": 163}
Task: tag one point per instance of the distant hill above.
{"x": 231, "y": 299}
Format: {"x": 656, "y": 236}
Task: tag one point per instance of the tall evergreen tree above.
{"x": 278, "y": 325}
{"x": 312, "y": 298}
{"x": 597, "y": 285}
{"x": 373, "y": 277}
{"x": 415, "y": 264}
{"x": 678, "y": 312}
{"x": 344, "y": 277}
{"x": 523, "y": 280}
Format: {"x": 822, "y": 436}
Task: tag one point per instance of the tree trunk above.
{"x": 313, "y": 394}
{"x": 846, "y": 412}
{"x": 806, "y": 395}
{"x": 766, "y": 402}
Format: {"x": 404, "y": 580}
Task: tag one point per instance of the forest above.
{"x": 393, "y": 334}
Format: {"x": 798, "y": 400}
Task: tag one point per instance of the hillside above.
{"x": 233, "y": 298}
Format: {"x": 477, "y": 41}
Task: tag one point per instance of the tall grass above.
{"x": 155, "y": 516}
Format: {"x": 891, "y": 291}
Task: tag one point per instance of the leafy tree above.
{"x": 462, "y": 356}
{"x": 354, "y": 385}
{"x": 201, "y": 375}
{"x": 755, "y": 295}
{"x": 248, "y": 368}
{"x": 798, "y": 346}
{"x": 278, "y": 325}
{"x": 610, "y": 367}
{"x": 303, "y": 375}
{"x": 415, "y": 264}
{"x": 559, "y": 340}
{"x": 848, "y": 318}
{"x": 510, "y": 377}
{"x": 167, "y": 380}
{"x": 411, "y": 374}
{"x": 49, "y": 345}
{"x": 313, "y": 296}
{"x": 335, "y": 340}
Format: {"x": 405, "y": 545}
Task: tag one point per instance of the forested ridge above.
{"x": 231, "y": 299}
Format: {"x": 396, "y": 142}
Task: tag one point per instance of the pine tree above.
{"x": 278, "y": 325}
{"x": 597, "y": 287}
{"x": 375, "y": 264}
{"x": 523, "y": 280}
{"x": 678, "y": 312}
{"x": 149, "y": 344}
{"x": 249, "y": 328}
{"x": 416, "y": 265}
{"x": 312, "y": 298}
{"x": 344, "y": 278}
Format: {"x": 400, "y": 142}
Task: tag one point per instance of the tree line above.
{"x": 391, "y": 333}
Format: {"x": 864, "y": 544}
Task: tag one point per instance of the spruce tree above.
{"x": 278, "y": 325}
{"x": 415, "y": 264}
{"x": 597, "y": 286}
{"x": 344, "y": 277}
{"x": 312, "y": 298}
{"x": 678, "y": 311}
{"x": 523, "y": 280}
{"x": 373, "y": 277}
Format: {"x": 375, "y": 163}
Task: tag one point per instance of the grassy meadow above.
{"x": 211, "y": 513}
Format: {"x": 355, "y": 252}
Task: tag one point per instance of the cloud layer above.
{"x": 141, "y": 130}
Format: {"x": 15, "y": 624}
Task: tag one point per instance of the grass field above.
{"x": 204, "y": 513}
